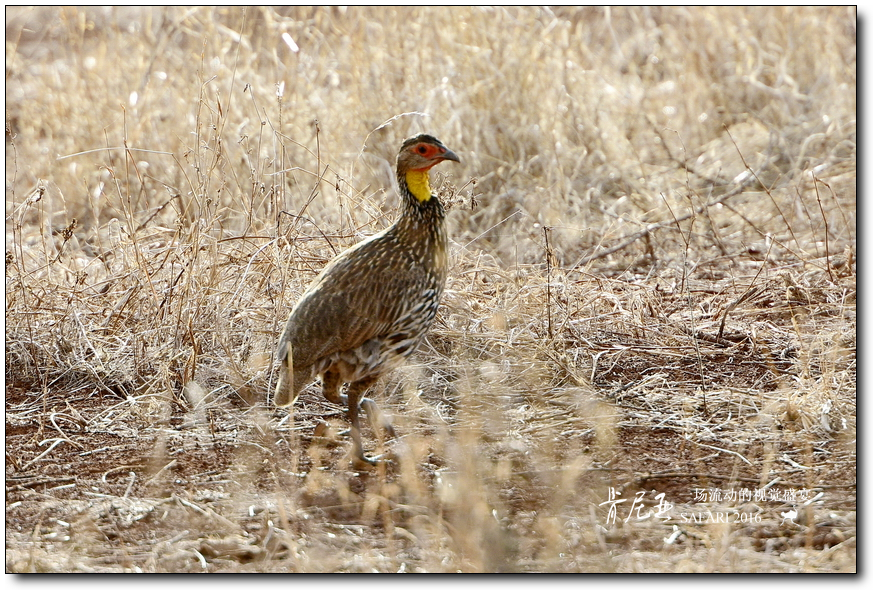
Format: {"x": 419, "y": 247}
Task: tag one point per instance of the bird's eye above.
{"x": 422, "y": 150}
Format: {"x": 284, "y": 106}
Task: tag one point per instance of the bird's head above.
{"x": 417, "y": 155}
{"x": 423, "y": 152}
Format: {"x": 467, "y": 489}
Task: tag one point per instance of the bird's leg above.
{"x": 330, "y": 386}
{"x": 331, "y": 383}
{"x": 355, "y": 398}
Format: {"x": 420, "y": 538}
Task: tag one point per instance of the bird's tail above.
{"x": 285, "y": 394}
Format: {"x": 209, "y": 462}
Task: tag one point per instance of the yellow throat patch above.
{"x": 418, "y": 182}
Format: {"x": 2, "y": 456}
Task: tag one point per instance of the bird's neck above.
{"x": 418, "y": 183}
{"x": 421, "y": 224}
{"x": 419, "y": 204}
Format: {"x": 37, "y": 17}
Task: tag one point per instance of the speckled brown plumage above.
{"x": 371, "y": 305}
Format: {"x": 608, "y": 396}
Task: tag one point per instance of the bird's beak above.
{"x": 450, "y": 155}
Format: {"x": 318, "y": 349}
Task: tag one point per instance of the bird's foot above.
{"x": 359, "y": 459}
{"x": 364, "y": 462}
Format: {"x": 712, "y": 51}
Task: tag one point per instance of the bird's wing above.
{"x": 358, "y": 296}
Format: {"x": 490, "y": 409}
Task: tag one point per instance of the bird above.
{"x": 371, "y": 305}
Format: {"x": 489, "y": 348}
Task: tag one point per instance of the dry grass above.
{"x": 652, "y": 290}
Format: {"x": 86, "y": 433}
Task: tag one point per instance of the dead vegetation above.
{"x": 652, "y": 291}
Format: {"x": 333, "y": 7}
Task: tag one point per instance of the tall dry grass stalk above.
{"x": 652, "y": 286}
